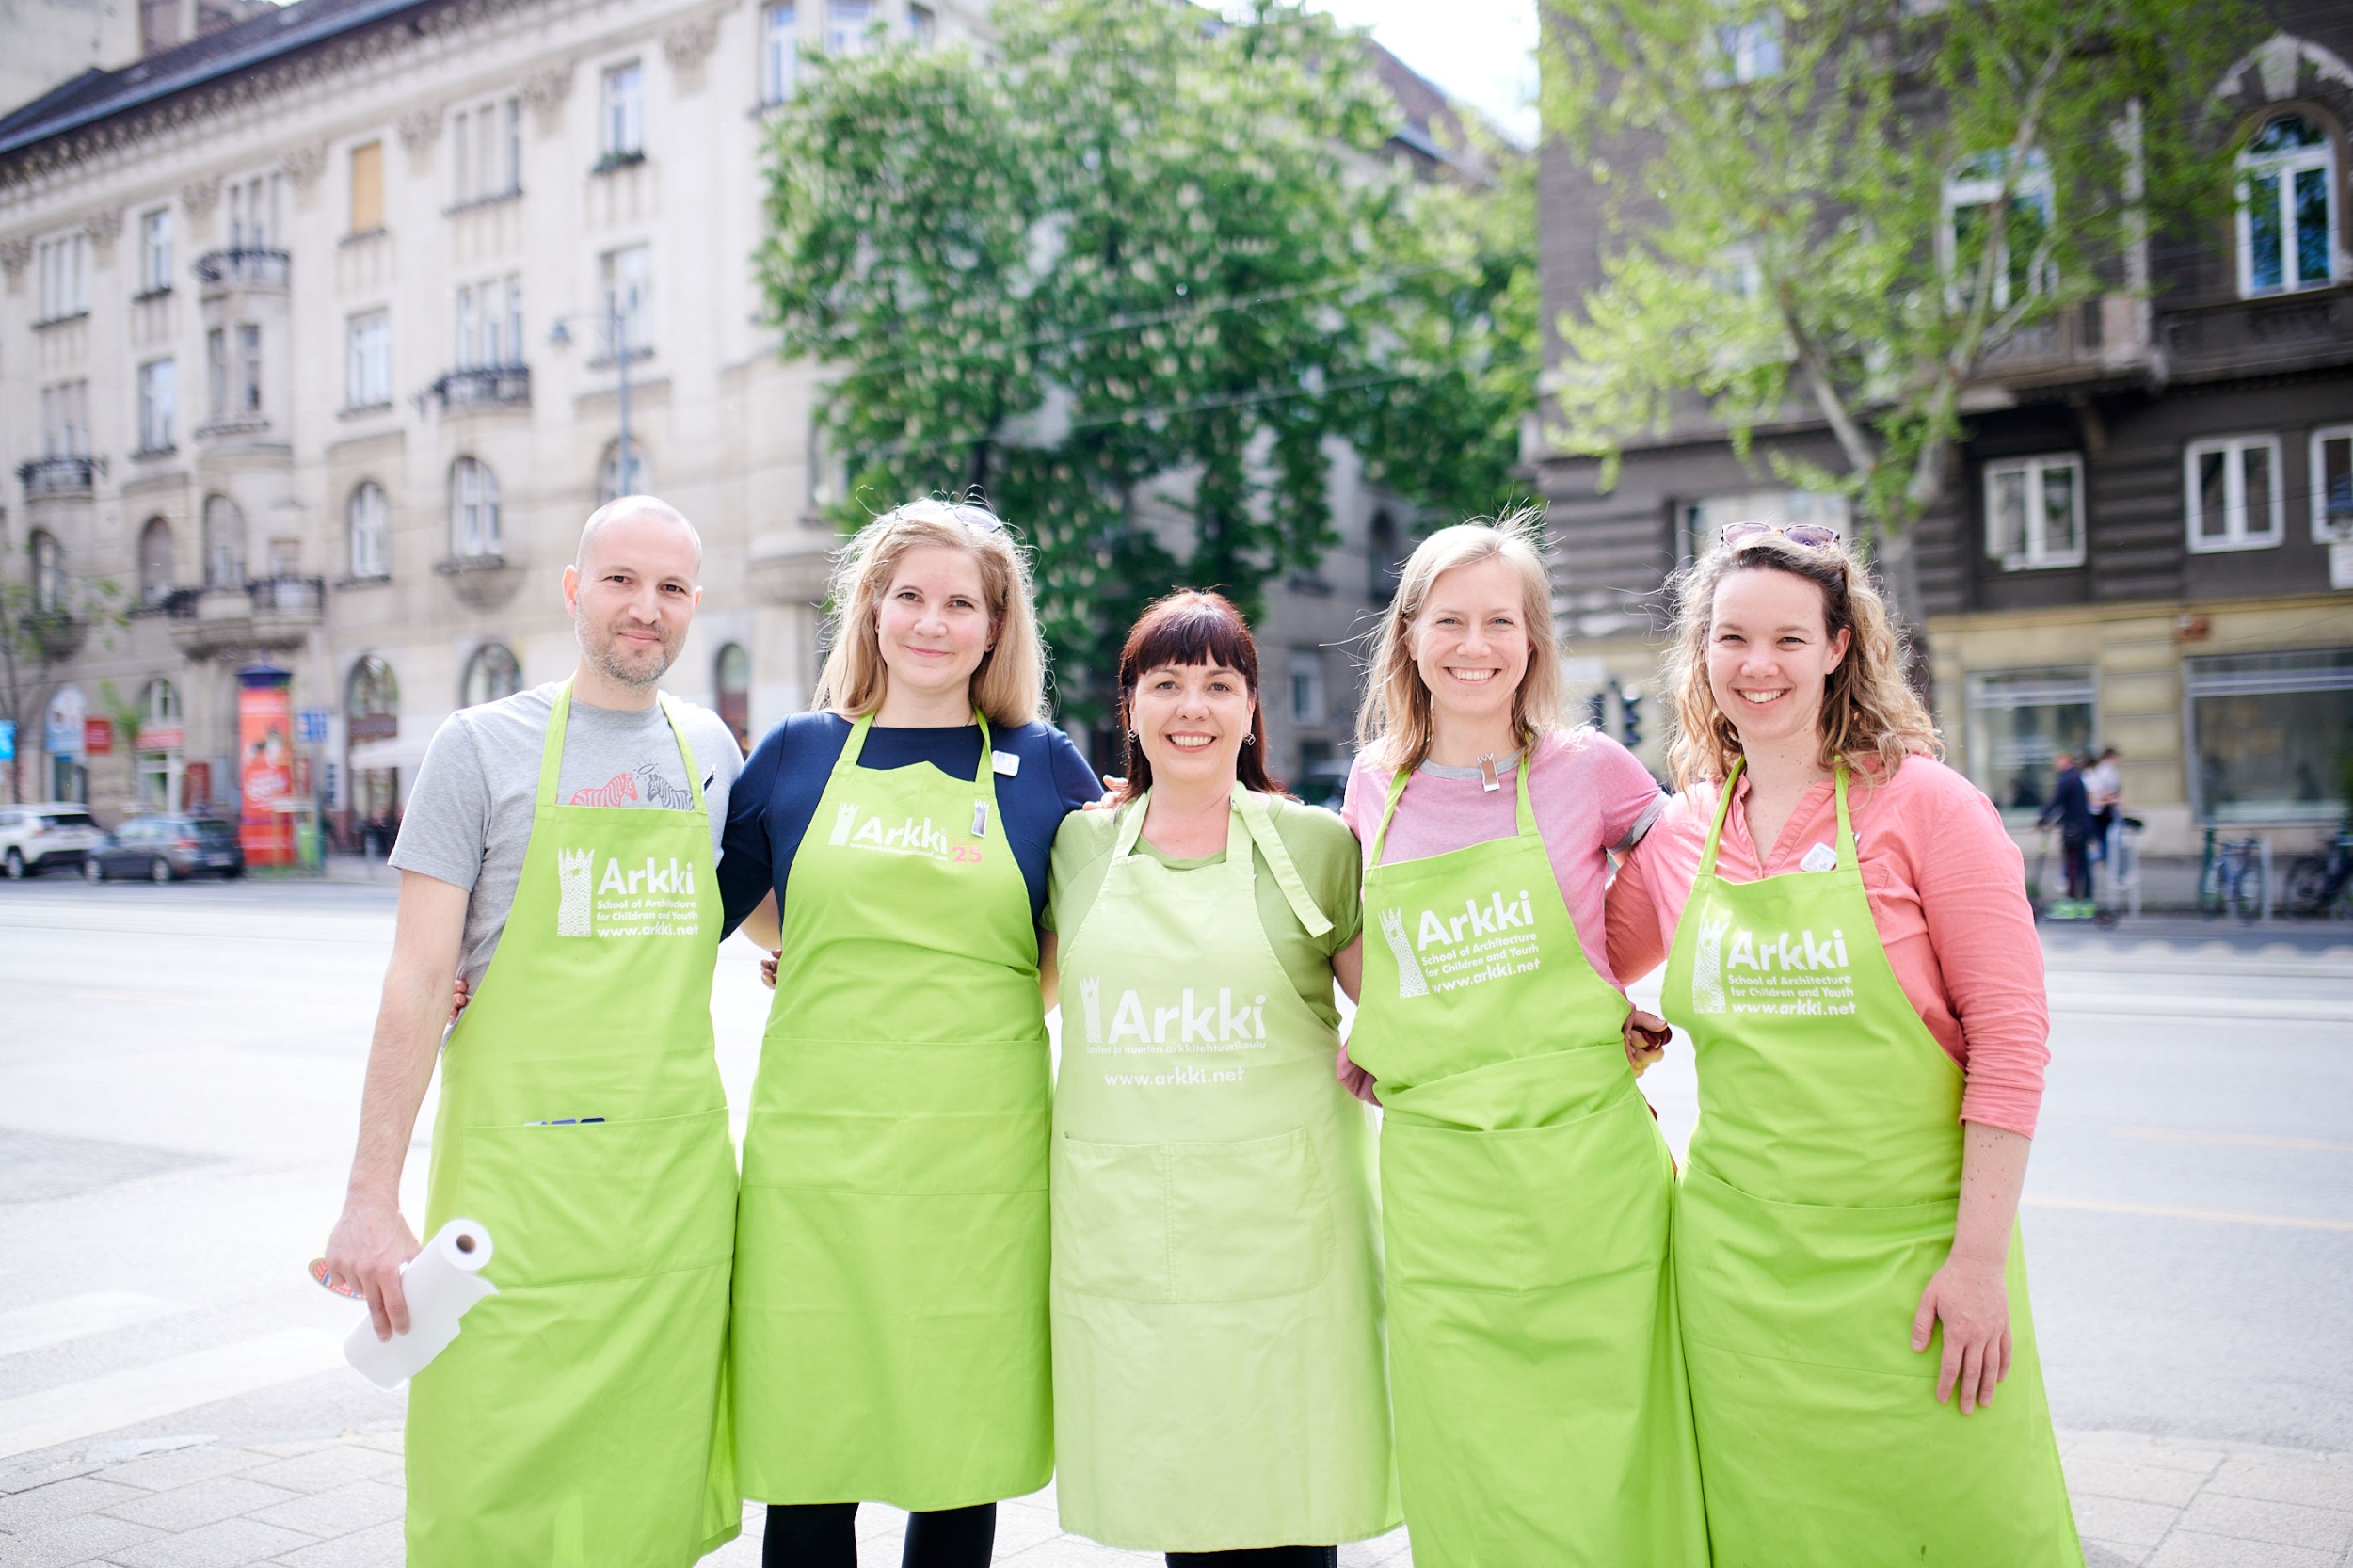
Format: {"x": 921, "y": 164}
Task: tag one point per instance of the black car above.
{"x": 162, "y": 849}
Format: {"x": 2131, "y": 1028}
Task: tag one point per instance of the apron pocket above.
{"x": 602, "y": 1200}
{"x": 1531, "y": 1209}
{"x": 1192, "y": 1221}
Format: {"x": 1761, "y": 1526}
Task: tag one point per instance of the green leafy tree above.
{"x": 1138, "y": 258}
{"x": 39, "y": 630}
{"x": 1858, "y": 204}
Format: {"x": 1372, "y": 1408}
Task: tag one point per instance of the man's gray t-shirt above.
{"x": 468, "y": 817}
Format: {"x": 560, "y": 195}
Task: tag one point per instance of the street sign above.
{"x": 98, "y": 737}
{"x": 61, "y": 730}
{"x": 311, "y": 726}
{"x": 162, "y": 737}
{"x": 7, "y": 740}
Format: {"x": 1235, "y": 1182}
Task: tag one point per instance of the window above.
{"x": 1970, "y": 192}
{"x": 2267, "y": 735}
{"x": 157, "y": 388}
{"x": 625, "y": 112}
{"x": 922, "y": 25}
{"x": 2018, "y": 721}
{"x": 486, "y": 149}
{"x": 2287, "y": 212}
{"x": 253, "y": 212}
{"x": 611, "y": 483}
{"x": 1306, "y": 686}
{"x": 1746, "y": 51}
{"x": 157, "y": 567}
{"x": 48, "y": 563}
{"x": 224, "y": 543}
{"x": 1385, "y": 557}
{"x": 491, "y": 323}
{"x": 368, "y": 360}
{"x": 2332, "y": 485}
{"x": 156, "y": 251}
{"x": 1700, "y": 524}
{"x": 65, "y": 420}
{"x": 367, "y": 187}
{"x": 372, "y": 693}
{"x": 490, "y": 674}
{"x": 217, "y": 373}
{"x": 2235, "y": 499}
{"x": 779, "y": 52}
{"x": 626, "y": 281}
{"x": 733, "y": 678}
{"x": 370, "y": 519}
{"x": 63, "y": 266}
{"x": 846, "y": 22}
{"x": 473, "y": 509}
{"x": 2033, "y": 512}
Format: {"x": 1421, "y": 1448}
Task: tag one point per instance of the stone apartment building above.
{"x": 308, "y": 363}
{"x": 2148, "y": 543}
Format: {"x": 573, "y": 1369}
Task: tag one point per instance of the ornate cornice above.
{"x": 420, "y": 128}
{"x": 15, "y": 256}
{"x": 304, "y": 164}
{"x": 200, "y": 195}
{"x": 686, "y": 44}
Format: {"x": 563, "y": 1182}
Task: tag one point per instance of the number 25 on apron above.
{"x": 1820, "y": 1198}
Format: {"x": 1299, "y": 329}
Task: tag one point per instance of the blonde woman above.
{"x": 890, "y": 1332}
{"x": 1849, "y": 949}
{"x": 1537, "y": 1380}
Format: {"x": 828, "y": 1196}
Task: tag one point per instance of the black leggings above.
{"x": 1260, "y": 1557}
{"x": 824, "y": 1535}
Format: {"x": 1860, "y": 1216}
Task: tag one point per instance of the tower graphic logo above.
{"x": 1409, "y": 976}
{"x": 1708, "y": 962}
{"x": 1091, "y": 998}
{"x": 573, "y": 913}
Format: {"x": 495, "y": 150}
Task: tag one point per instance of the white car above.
{"x": 34, "y": 839}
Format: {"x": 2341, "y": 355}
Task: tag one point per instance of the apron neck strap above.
{"x": 1525, "y": 809}
{"x": 560, "y": 719}
{"x": 854, "y": 747}
{"x": 1132, "y": 828}
{"x": 1846, "y": 856}
{"x": 1252, "y": 810}
{"x": 1723, "y": 806}
{"x": 1397, "y": 781}
{"x": 686, "y": 753}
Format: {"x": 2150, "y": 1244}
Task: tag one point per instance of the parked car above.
{"x": 164, "y": 848}
{"x": 35, "y": 838}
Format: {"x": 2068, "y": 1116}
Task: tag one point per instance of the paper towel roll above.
{"x": 441, "y": 1283}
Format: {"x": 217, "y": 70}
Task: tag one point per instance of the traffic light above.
{"x": 1598, "y": 710}
{"x": 1630, "y": 717}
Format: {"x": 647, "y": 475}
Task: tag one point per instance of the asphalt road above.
{"x": 179, "y": 1072}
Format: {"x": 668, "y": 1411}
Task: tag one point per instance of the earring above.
{"x": 1250, "y": 740}
{"x": 1135, "y": 739}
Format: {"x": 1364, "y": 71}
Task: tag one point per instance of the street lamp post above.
{"x": 616, "y": 341}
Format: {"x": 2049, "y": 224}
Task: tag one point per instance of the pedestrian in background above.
{"x": 1850, "y": 952}
{"x": 1541, "y": 1415}
{"x": 2103, "y": 785}
{"x": 577, "y": 1418}
{"x": 1219, "y": 1387}
{"x": 2070, "y": 811}
{"x": 889, "y": 1338}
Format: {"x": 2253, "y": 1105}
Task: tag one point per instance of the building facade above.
{"x": 2147, "y": 541}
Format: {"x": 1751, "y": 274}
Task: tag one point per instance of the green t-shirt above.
{"x": 1320, "y": 845}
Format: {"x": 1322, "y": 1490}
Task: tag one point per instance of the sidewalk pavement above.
{"x": 333, "y": 1500}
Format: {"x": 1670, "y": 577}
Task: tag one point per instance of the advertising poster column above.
{"x": 264, "y": 765}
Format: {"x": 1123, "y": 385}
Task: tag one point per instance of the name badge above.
{"x": 1821, "y": 857}
{"x": 1004, "y": 763}
{"x": 980, "y": 819}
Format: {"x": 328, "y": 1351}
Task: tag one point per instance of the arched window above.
{"x": 473, "y": 509}
{"x": 370, "y": 519}
{"x": 612, "y": 482}
{"x": 734, "y": 683}
{"x": 490, "y": 674}
{"x": 160, "y": 703}
{"x": 48, "y": 574}
{"x": 224, "y": 543}
{"x": 156, "y": 567}
{"x": 372, "y": 691}
{"x": 2287, "y": 208}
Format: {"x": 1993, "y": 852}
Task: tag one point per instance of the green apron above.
{"x": 1218, "y": 1380}
{"x": 891, "y": 1337}
{"x": 579, "y": 1419}
{"x": 1526, "y": 1196}
{"x": 1820, "y": 1198}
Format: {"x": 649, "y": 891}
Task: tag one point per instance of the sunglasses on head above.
{"x": 973, "y": 516}
{"x": 1811, "y": 536}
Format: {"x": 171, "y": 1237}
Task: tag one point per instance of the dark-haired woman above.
{"x": 1218, "y": 1376}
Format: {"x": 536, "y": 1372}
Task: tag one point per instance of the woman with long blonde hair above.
{"x": 1526, "y": 1191}
{"x": 1849, "y": 949}
{"x": 890, "y": 1329}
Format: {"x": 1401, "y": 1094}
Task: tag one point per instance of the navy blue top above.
{"x": 772, "y": 803}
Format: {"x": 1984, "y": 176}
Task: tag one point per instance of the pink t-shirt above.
{"x": 1948, "y": 899}
{"x": 1591, "y": 798}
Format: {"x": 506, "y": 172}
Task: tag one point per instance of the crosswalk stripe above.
{"x": 138, "y": 1394}
{"x": 30, "y": 1328}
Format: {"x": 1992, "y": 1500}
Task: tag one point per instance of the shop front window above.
{"x": 2019, "y": 721}
{"x": 2271, "y": 736}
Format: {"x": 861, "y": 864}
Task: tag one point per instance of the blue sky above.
{"x": 1480, "y": 51}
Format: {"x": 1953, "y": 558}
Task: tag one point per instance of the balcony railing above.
{"x": 45, "y": 476}
{"x": 264, "y": 612}
{"x": 287, "y": 595}
{"x": 486, "y": 387}
{"x": 242, "y": 269}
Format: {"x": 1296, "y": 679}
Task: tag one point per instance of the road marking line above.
{"x": 2236, "y": 1140}
{"x": 30, "y": 1328}
{"x": 2098, "y": 1205}
{"x": 138, "y": 1394}
{"x": 2282, "y": 1010}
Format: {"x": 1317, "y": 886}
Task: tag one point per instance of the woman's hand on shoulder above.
{"x": 1110, "y": 797}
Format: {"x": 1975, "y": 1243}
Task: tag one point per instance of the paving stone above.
{"x": 2190, "y": 1549}
{"x": 64, "y": 1499}
{"x": 2140, "y": 1525}
{"x": 1392, "y": 1550}
{"x": 341, "y": 1510}
{"x": 381, "y": 1546}
{"x": 70, "y": 1540}
{"x": 228, "y": 1543}
{"x": 324, "y": 1468}
{"x": 2322, "y": 1529}
{"x": 1020, "y": 1526}
{"x": 180, "y": 1468}
{"x": 2288, "y": 1478}
{"x": 293, "y": 1447}
{"x": 391, "y": 1442}
{"x": 2112, "y": 1554}
{"x": 2106, "y": 1474}
{"x": 30, "y": 1476}
{"x": 188, "y": 1507}
{"x": 1069, "y": 1551}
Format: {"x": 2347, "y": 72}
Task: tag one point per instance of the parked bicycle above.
{"x": 2323, "y": 884}
{"x": 2231, "y": 877}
